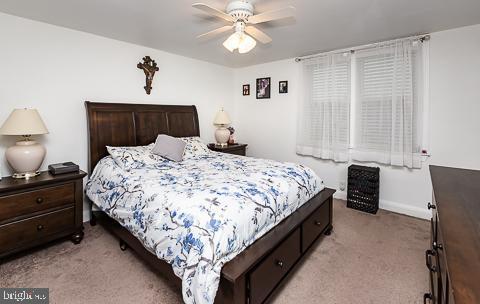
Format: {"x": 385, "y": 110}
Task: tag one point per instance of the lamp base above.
{"x": 26, "y": 175}
{"x": 222, "y": 135}
{"x": 25, "y": 158}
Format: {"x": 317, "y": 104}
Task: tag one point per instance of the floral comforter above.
{"x": 200, "y": 213}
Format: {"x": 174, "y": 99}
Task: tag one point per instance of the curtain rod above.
{"x": 421, "y": 38}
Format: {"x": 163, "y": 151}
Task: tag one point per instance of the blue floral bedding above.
{"x": 200, "y": 213}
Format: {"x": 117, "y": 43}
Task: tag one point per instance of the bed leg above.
{"x": 123, "y": 245}
{"x": 329, "y": 230}
{"x": 93, "y": 219}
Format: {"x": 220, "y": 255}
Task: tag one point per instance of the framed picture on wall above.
{"x": 263, "y": 88}
{"x": 246, "y": 90}
{"x": 283, "y": 87}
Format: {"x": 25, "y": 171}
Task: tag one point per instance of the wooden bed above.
{"x": 256, "y": 273}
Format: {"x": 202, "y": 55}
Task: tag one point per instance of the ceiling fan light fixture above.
{"x": 247, "y": 44}
{"x": 240, "y": 41}
{"x": 233, "y": 41}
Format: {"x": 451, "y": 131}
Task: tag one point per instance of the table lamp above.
{"x": 27, "y": 155}
{"x": 222, "y": 134}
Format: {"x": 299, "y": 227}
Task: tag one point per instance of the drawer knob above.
{"x": 430, "y": 206}
{"x": 437, "y": 246}
{"x": 39, "y": 200}
{"x": 318, "y": 223}
{"x": 279, "y": 264}
{"x": 40, "y": 227}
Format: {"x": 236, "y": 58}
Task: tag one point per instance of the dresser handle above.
{"x": 429, "y": 253}
{"x": 279, "y": 264}
{"x": 426, "y": 296}
{"x": 40, "y": 227}
{"x": 430, "y": 206}
{"x": 39, "y": 200}
{"x": 437, "y": 246}
{"x": 318, "y": 223}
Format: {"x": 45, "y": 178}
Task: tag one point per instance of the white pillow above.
{"x": 195, "y": 147}
{"x": 134, "y": 157}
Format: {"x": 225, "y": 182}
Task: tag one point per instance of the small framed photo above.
{"x": 283, "y": 87}
{"x": 263, "y": 88}
{"x": 246, "y": 90}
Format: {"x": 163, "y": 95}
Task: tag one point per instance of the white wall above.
{"x": 269, "y": 126}
{"x": 55, "y": 70}
{"x": 455, "y": 95}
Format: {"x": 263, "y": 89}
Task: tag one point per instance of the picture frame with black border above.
{"x": 246, "y": 90}
{"x": 263, "y": 88}
{"x": 283, "y": 87}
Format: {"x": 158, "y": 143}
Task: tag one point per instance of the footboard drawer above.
{"x": 274, "y": 267}
{"x": 315, "y": 224}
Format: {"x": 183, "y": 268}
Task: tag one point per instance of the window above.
{"x": 324, "y": 116}
{"x": 381, "y": 120}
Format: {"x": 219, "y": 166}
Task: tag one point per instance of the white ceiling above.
{"x": 320, "y": 25}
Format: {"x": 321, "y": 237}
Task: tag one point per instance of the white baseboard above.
{"x": 414, "y": 211}
{"x": 86, "y": 216}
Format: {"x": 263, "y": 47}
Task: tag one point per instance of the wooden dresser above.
{"x": 453, "y": 259}
{"x": 39, "y": 210}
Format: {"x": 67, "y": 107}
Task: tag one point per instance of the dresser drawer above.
{"x": 274, "y": 267}
{"x": 315, "y": 224}
{"x": 32, "y": 201}
{"x": 20, "y": 233}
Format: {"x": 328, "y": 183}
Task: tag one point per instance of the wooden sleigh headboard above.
{"x": 124, "y": 124}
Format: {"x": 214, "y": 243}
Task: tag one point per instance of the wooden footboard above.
{"x": 256, "y": 273}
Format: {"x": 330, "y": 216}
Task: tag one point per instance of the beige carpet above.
{"x": 367, "y": 259}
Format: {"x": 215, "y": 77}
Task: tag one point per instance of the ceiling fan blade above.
{"x": 213, "y": 11}
{"x": 286, "y": 12}
{"x": 258, "y": 34}
{"x": 215, "y": 32}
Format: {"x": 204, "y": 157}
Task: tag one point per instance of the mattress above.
{"x": 200, "y": 213}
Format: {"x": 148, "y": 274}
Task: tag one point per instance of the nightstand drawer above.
{"x": 240, "y": 151}
{"x": 28, "y": 202}
{"x": 23, "y": 232}
{"x": 237, "y": 149}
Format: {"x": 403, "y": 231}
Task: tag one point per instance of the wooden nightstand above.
{"x": 238, "y": 149}
{"x": 39, "y": 210}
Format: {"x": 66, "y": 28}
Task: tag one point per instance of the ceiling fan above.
{"x": 240, "y": 13}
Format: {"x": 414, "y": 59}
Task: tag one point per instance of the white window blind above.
{"x": 367, "y": 105}
{"x": 324, "y": 111}
{"x": 389, "y": 104}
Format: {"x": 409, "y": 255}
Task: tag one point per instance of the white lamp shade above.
{"x": 24, "y": 122}
{"x": 233, "y": 41}
{"x": 240, "y": 41}
{"x": 222, "y": 118}
{"x": 247, "y": 44}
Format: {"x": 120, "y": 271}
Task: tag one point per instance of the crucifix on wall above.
{"x": 149, "y": 67}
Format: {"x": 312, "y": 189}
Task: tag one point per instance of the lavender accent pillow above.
{"x": 169, "y": 147}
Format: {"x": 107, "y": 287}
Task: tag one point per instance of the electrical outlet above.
{"x": 342, "y": 186}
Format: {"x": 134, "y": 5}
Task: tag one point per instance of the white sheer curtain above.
{"x": 388, "y": 104}
{"x": 323, "y": 122}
